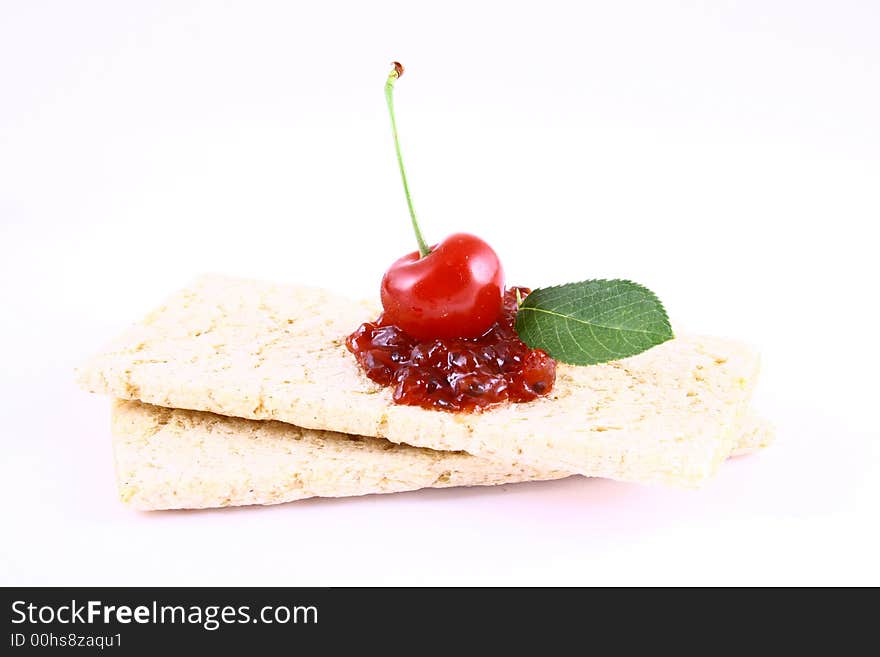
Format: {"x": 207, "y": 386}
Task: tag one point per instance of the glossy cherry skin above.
{"x": 453, "y": 292}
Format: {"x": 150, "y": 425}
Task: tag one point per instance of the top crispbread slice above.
{"x": 263, "y": 351}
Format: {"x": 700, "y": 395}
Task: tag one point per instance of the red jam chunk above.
{"x": 455, "y": 374}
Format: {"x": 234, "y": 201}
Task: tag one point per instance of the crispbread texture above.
{"x": 263, "y": 351}
{"x": 754, "y": 434}
{"x": 177, "y": 459}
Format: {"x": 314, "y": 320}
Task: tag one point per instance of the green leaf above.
{"x": 593, "y": 321}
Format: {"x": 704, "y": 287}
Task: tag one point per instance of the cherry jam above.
{"x": 455, "y": 374}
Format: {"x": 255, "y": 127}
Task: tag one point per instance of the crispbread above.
{"x": 173, "y": 459}
{"x": 263, "y": 351}
{"x": 754, "y": 434}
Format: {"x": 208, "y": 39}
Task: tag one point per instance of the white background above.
{"x": 725, "y": 154}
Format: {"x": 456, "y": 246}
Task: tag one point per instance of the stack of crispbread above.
{"x": 241, "y": 392}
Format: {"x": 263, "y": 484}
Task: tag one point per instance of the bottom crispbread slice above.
{"x": 179, "y": 459}
{"x": 754, "y": 434}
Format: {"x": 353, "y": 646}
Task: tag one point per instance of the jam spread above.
{"x": 460, "y": 374}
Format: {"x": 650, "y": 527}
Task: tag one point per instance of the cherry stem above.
{"x": 396, "y": 72}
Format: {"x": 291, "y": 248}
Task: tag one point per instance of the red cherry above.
{"x": 453, "y": 292}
